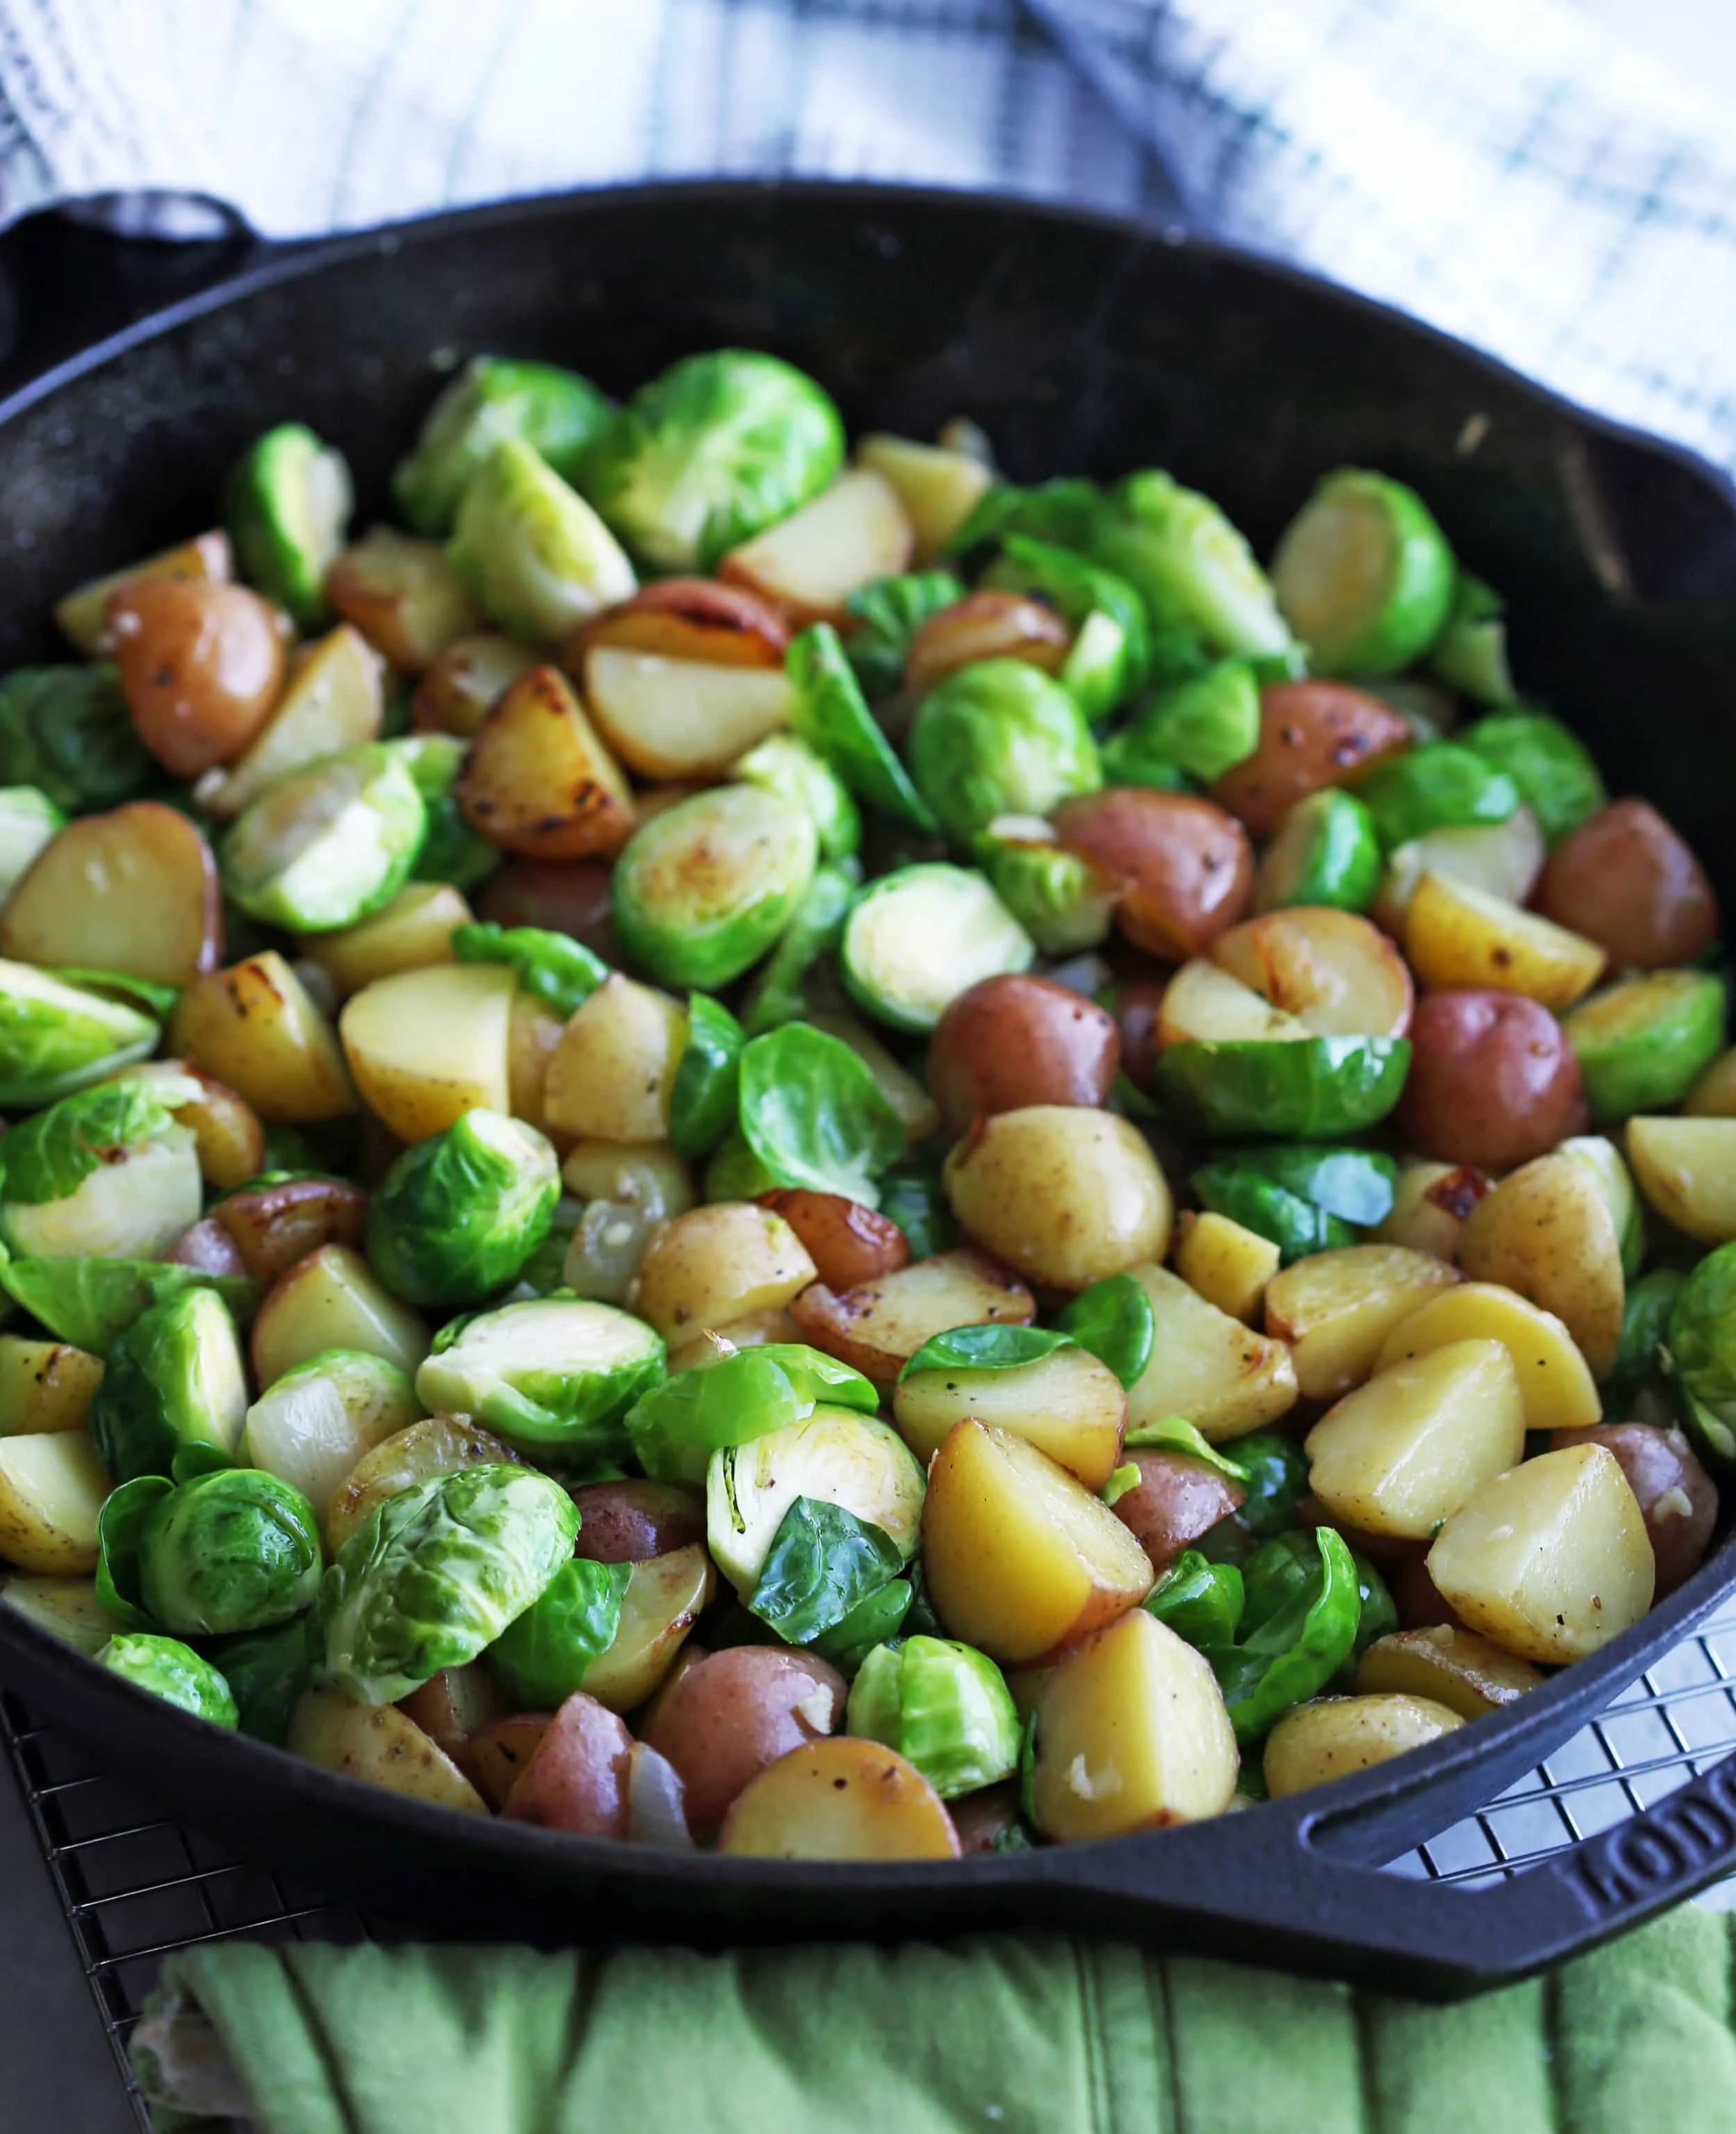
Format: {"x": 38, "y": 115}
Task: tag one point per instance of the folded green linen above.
{"x": 1007, "y": 2035}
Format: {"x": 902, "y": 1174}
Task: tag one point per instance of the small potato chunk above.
{"x": 690, "y": 620}
{"x": 274, "y": 1226}
{"x": 133, "y": 892}
{"x": 200, "y": 664}
{"x": 495, "y": 1755}
{"x": 1458, "y": 935}
{"x": 842, "y": 1799}
{"x": 1494, "y": 1081}
{"x": 1677, "y": 1499}
{"x": 939, "y": 487}
{"x": 986, "y": 625}
{"x": 45, "y": 1386}
{"x": 629, "y": 1522}
{"x": 1555, "y": 1381}
{"x": 576, "y": 1778}
{"x": 1070, "y": 1405}
{"x": 1063, "y": 1193}
{"x": 1337, "y": 1308}
{"x": 1714, "y": 1095}
{"x": 1021, "y": 1559}
{"x": 1013, "y": 1041}
{"x": 1208, "y": 1366}
{"x": 1450, "y": 1666}
{"x": 611, "y": 1075}
{"x": 1404, "y": 1451}
{"x": 538, "y": 780}
{"x": 414, "y": 929}
{"x": 255, "y": 1027}
{"x": 1504, "y": 858}
{"x": 533, "y": 1037}
{"x": 207, "y": 1246}
{"x": 439, "y": 1444}
{"x": 451, "y": 1705}
{"x": 1185, "y": 867}
{"x": 878, "y": 1326}
{"x": 752, "y": 1332}
{"x": 465, "y": 682}
{"x": 52, "y": 1485}
{"x": 1686, "y": 1168}
{"x": 1628, "y": 881}
{"x": 1176, "y": 1500}
{"x": 664, "y": 1597}
{"x": 1311, "y": 734}
{"x": 334, "y": 1300}
{"x": 812, "y": 561}
{"x": 83, "y": 614}
{"x": 1230, "y": 1266}
{"x": 1335, "y": 1735}
{"x": 403, "y": 597}
{"x": 848, "y": 1243}
{"x": 332, "y": 700}
{"x": 1337, "y": 974}
{"x": 681, "y": 718}
{"x": 379, "y": 1744}
{"x": 1131, "y": 1735}
{"x": 225, "y": 1130}
{"x": 1546, "y": 1231}
{"x": 1430, "y": 1204}
{"x": 733, "y": 1714}
{"x": 717, "y": 1263}
{"x": 427, "y": 1045}
{"x": 1550, "y": 1560}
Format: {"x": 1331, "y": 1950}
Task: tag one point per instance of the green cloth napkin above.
{"x": 1007, "y": 2035}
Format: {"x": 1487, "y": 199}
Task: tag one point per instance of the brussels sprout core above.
{"x": 918, "y": 938}
{"x": 173, "y": 1396}
{"x": 556, "y": 1372}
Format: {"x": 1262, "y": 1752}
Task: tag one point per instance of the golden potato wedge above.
{"x": 1448, "y": 1665}
{"x": 539, "y": 781}
{"x": 45, "y": 1386}
{"x": 1430, "y": 1204}
{"x": 66, "y": 1608}
{"x": 1230, "y": 1266}
{"x": 1686, "y": 1168}
{"x": 51, "y": 1488}
{"x": 379, "y": 1743}
{"x": 439, "y": 1445}
{"x": 664, "y": 1597}
{"x": 1316, "y": 1743}
{"x": 811, "y": 562}
{"x": 1224, "y": 1379}
{"x": 333, "y": 699}
{"x": 939, "y": 487}
{"x": 415, "y": 928}
{"x": 1337, "y": 1308}
{"x": 1714, "y": 1095}
{"x": 402, "y": 595}
{"x": 133, "y": 892}
{"x": 717, "y": 1263}
{"x": 334, "y": 1300}
{"x": 1459, "y": 936}
{"x": 1131, "y": 1735}
{"x": 681, "y": 718}
{"x": 877, "y": 1327}
{"x": 465, "y": 682}
{"x": 1203, "y": 1002}
{"x": 274, "y": 1226}
{"x": 1556, "y": 1384}
{"x": 255, "y": 1027}
{"x": 687, "y": 619}
{"x": 83, "y": 614}
{"x": 1339, "y": 975}
{"x": 1550, "y": 1560}
{"x": 427, "y": 1045}
{"x": 610, "y": 1077}
{"x": 1503, "y": 859}
{"x": 841, "y": 1799}
{"x": 1546, "y": 1231}
{"x": 1068, "y": 1405}
{"x": 1404, "y": 1451}
{"x": 1021, "y": 1558}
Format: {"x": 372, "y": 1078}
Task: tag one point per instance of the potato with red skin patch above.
{"x": 730, "y": 1716}
{"x": 561, "y": 896}
{"x": 1677, "y": 1499}
{"x": 208, "y": 1247}
{"x": 1628, "y": 881}
{"x": 1185, "y": 866}
{"x": 1493, "y": 1081}
{"x": 1312, "y": 734}
{"x": 629, "y": 1522}
{"x": 493, "y": 1758}
{"x": 984, "y": 1819}
{"x": 986, "y": 625}
{"x": 847, "y": 1242}
{"x": 577, "y": 1780}
{"x": 200, "y": 664}
{"x": 1135, "y": 1008}
{"x": 687, "y": 619}
{"x": 272, "y": 1227}
{"x": 1011, "y": 1041}
{"x": 538, "y": 780}
{"x": 1176, "y": 1500}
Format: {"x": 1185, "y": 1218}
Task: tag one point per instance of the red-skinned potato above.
{"x": 495, "y": 1756}
{"x": 1176, "y": 1500}
{"x": 1626, "y": 880}
{"x": 1494, "y": 1081}
{"x": 982, "y": 1819}
{"x": 687, "y": 619}
{"x": 987, "y": 625}
{"x": 729, "y": 1717}
{"x": 565, "y": 897}
{"x": 1677, "y": 1499}
{"x": 1136, "y": 1007}
{"x": 576, "y": 1780}
{"x": 200, "y": 666}
{"x": 1311, "y": 734}
{"x": 133, "y": 892}
{"x": 1186, "y": 868}
{"x": 1420, "y": 1601}
{"x": 1011, "y": 1041}
{"x": 626, "y": 1521}
{"x": 208, "y": 1247}
{"x": 538, "y": 780}
{"x": 273, "y": 1226}
{"x": 847, "y": 1242}
{"x": 877, "y": 1326}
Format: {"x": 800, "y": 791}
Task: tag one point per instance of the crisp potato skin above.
{"x": 847, "y": 1242}
{"x": 1176, "y": 1500}
{"x": 1012, "y": 1042}
{"x": 1494, "y": 1081}
{"x": 626, "y": 1521}
{"x": 731, "y": 1715}
{"x": 576, "y": 1778}
{"x": 1186, "y": 867}
{"x": 1311, "y": 734}
{"x": 1677, "y": 1499}
{"x": 1628, "y": 881}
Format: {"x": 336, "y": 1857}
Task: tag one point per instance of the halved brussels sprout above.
{"x": 56, "y": 1038}
{"x": 743, "y": 1394}
{"x": 235, "y": 1550}
{"x": 834, "y": 1454}
{"x": 91, "y": 1303}
{"x": 173, "y": 1397}
{"x": 1064, "y": 902}
{"x": 705, "y": 888}
{"x": 1702, "y": 1351}
{"x": 288, "y": 500}
{"x": 1364, "y": 575}
{"x": 1643, "y": 1043}
{"x": 457, "y": 1215}
{"x": 785, "y": 764}
{"x": 543, "y": 1656}
{"x": 327, "y": 845}
{"x": 942, "y": 1705}
{"x": 266, "y": 1672}
{"x": 106, "y": 1173}
{"x": 551, "y": 967}
{"x": 1326, "y": 852}
{"x": 1111, "y": 654}
{"x": 558, "y": 1373}
{"x": 533, "y": 552}
{"x": 1551, "y": 767}
{"x": 1471, "y": 650}
{"x": 1302, "y": 1089}
{"x": 719, "y": 446}
{"x": 560, "y": 414}
{"x": 1194, "y": 572}
{"x": 1439, "y": 785}
{"x": 67, "y": 731}
{"x": 28, "y": 820}
{"x": 919, "y": 937}
{"x": 172, "y": 1671}
{"x": 1000, "y": 738}
{"x": 1205, "y": 724}
{"x": 830, "y": 712}
{"x": 311, "y": 1427}
{"x": 702, "y": 1103}
{"x": 436, "y": 1573}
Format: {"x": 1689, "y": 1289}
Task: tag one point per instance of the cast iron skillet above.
{"x": 1082, "y": 344}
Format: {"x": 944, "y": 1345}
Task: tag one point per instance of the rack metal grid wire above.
{"x": 135, "y": 1886}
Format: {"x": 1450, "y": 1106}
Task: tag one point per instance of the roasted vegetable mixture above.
{"x": 732, "y": 1143}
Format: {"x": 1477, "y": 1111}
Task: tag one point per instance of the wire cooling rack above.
{"x": 136, "y": 1886}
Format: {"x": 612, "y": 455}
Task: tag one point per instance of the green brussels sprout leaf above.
{"x": 888, "y": 612}
{"x": 988, "y": 1348}
{"x": 120, "y": 1528}
{"x": 702, "y": 1101}
{"x": 1111, "y": 654}
{"x": 1174, "y": 1433}
{"x": 67, "y": 731}
{"x": 780, "y": 992}
{"x": 1062, "y": 900}
{"x": 1646, "y": 1313}
{"x": 1114, "y": 1319}
{"x": 542, "y": 1657}
{"x": 57, "y": 1036}
{"x": 831, "y": 714}
{"x": 1061, "y": 512}
{"x": 1206, "y": 724}
{"x": 1551, "y": 767}
{"x": 845, "y": 1456}
{"x": 1297, "y": 1226}
{"x": 234, "y": 1550}
{"x": 1354, "y": 1184}
{"x": 266, "y": 1672}
{"x": 1470, "y": 653}
{"x": 287, "y": 501}
{"x": 451, "y": 851}
{"x": 813, "y": 1114}
{"x": 551, "y": 967}
{"x": 1298, "y": 1629}
{"x": 749, "y": 1394}
{"x": 92, "y": 1302}
{"x": 823, "y": 1564}
{"x": 872, "y": 1623}
{"x": 458, "y": 1215}
{"x": 1200, "y": 1601}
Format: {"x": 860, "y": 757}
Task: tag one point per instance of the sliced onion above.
{"x": 656, "y": 1801}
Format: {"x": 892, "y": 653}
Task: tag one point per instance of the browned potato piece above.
{"x": 982, "y": 1819}
{"x": 132, "y": 891}
{"x": 878, "y": 1326}
{"x": 52, "y": 1486}
{"x": 466, "y": 682}
{"x": 200, "y": 666}
{"x": 1493, "y": 1081}
{"x": 664, "y": 1598}
{"x": 1009, "y": 1042}
{"x": 566, "y": 897}
{"x": 451, "y": 1705}
{"x": 1136, "y": 1007}
{"x": 45, "y": 1386}
{"x": 415, "y": 928}
{"x": 626, "y": 1521}
{"x": 83, "y": 613}
{"x": 689, "y": 618}
{"x": 576, "y": 1778}
{"x": 842, "y": 1799}
{"x": 1546, "y": 1232}
{"x": 1337, "y": 1308}
{"x": 848, "y": 1243}
{"x": 986, "y": 625}
{"x": 1628, "y": 882}
{"x": 680, "y": 718}
{"x": 611, "y": 1074}
{"x": 1431, "y": 1204}
{"x": 1068, "y": 1404}
{"x": 376, "y": 1743}
{"x": 403, "y": 597}
{"x": 1228, "y": 1266}
{"x": 717, "y": 1263}
{"x": 733, "y": 1713}
{"x": 1677, "y": 1499}
{"x": 254, "y": 1025}
{"x": 539, "y": 781}
{"x": 208, "y": 1247}
{"x": 1176, "y": 1500}
{"x": 1311, "y": 734}
{"x": 1313, "y": 1744}
{"x": 1019, "y": 1558}
{"x": 495, "y": 1755}
{"x": 1337, "y": 974}
{"x": 1454, "y": 1666}
{"x": 226, "y": 1130}
{"x": 333, "y": 1300}
{"x": 1185, "y": 866}
{"x": 272, "y": 1227}
{"x": 438, "y": 1444}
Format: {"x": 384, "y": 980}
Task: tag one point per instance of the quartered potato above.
{"x": 664, "y": 1597}
{"x": 1336, "y": 1310}
{"x": 332, "y": 699}
{"x": 1459, "y": 936}
{"x": 134, "y": 891}
{"x": 1467, "y": 1673}
{"x": 810, "y": 562}
{"x": 379, "y": 1743}
{"x": 66, "y": 1608}
{"x": 577, "y": 1775}
{"x": 52, "y": 1486}
{"x": 414, "y": 929}
{"x": 681, "y": 718}
{"x": 1431, "y": 1203}
{"x": 1068, "y": 1405}
{"x": 539, "y": 781}
{"x": 611, "y": 1075}
{"x": 1554, "y": 1383}
{"x": 692, "y": 620}
{"x": 1204, "y": 1003}
{"x": 1206, "y": 1366}
{"x": 1334, "y": 1736}
{"x": 1503, "y": 859}
{"x": 465, "y": 682}
{"x": 83, "y": 614}
{"x": 938, "y": 486}
{"x": 880, "y": 1325}
{"x": 1229, "y": 1266}
{"x": 1686, "y": 1168}
{"x": 226, "y": 1132}
{"x": 402, "y": 595}
{"x": 255, "y": 1027}
{"x": 334, "y": 1300}
{"x": 1337, "y": 974}
{"x": 841, "y": 1799}
{"x": 1545, "y": 1232}
{"x": 429, "y": 1044}
{"x": 718, "y": 1263}
{"x": 45, "y": 1386}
